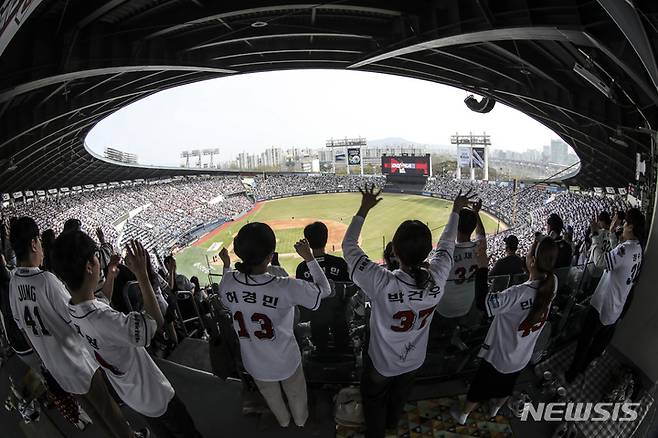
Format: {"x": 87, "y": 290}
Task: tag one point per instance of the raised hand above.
{"x": 100, "y": 235}
{"x": 136, "y": 258}
{"x": 477, "y": 205}
{"x": 481, "y": 257}
{"x": 594, "y": 225}
{"x": 304, "y": 250}
{"x": 113, "y": 266}
{"x": 462, "y": 201}
{"x": 616, "y": 222}
{"x": 226, "y": 259}
{"x": 369, "y": 199}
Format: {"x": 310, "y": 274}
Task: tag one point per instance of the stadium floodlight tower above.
{"x": 210, "y": 153}
{"x": 472, "y": 152}
{"x": 353, "y": 151}
{"x": 196, "y": 153}
{"x": 186, "y": 156}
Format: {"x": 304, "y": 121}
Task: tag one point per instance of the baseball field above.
{"x": 289, "y": 216}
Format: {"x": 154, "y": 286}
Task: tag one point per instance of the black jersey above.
{"x": 335, "y": 268}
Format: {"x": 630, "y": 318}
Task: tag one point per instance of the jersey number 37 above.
{"x": 407, "y": 318}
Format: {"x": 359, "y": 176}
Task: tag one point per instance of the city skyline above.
{"x": 303, "y": 108}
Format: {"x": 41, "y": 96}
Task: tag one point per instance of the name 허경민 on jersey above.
{"x": 250, "y": 298}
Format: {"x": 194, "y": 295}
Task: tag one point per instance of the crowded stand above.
{"x": 461, "y": 293}
{"x": 268, "y": 186}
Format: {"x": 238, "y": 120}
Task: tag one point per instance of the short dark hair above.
{"x": 317, "y": 234}
{"x": 72, "y": 224}
{"x": 555, "y": 223}
{"x": 604, "y": 217}
{"x": 23, "y": 231}
{"x": 468, "y": 220}
{"x": 168, "y": 259}
{"x": 511, "y": 242}
{"x": 71, "y": 252}
{"x": 253, "y": 243}
{"x": 636, "y": 218}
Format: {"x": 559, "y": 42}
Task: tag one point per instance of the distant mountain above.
{"x": 398, "y": 141}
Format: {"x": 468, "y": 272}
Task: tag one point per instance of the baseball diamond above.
{"x": 288, "y": 217}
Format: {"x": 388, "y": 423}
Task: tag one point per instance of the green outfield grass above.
{"x": 339, "y": 208}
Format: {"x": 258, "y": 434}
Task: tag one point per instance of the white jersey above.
{"x": 38, "y": 303}
{"x": 604, "y": 245}
{"x": 621, "y": 265}
{"x": 263, "y": 310}
{"x": 401, "y": 312}
{"x": 511, "y": 340}
{"x": 460, "y": 287}
{"x": 277, "y": 271}
{"x": 117, "y": 342}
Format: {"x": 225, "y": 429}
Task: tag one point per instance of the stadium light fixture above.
{"x": 618, "y": 141}
{"x": 259, "y": 24}
{"x": 594, "y": 80}
{"x": 10, "y": 162}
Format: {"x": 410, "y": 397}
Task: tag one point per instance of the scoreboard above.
{"x": 406, "y": 165}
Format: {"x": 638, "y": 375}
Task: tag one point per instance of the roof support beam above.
{"x": 273, "y": 9}
{"x": 275, "y": 36}
{"x": 623, "y": 13}
{"x": 107, "y": 7}
{"x": 509, "y": 34}
{"x": 35, "y": 85}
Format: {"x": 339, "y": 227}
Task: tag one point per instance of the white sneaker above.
{"x": 458, "y": 415}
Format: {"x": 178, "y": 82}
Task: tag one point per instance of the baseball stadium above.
{"x": 289, "y": 216}
{"x": 369, "y": 287}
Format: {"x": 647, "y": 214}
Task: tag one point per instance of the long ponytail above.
{"x": 545, "y": 253}
{"x": 412, "y": 243}
{"x": 421, "y": 276}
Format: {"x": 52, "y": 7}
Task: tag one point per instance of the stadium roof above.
{"x": 585, "y": 69}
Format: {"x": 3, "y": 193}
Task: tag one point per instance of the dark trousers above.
{"x": 593, "y": 340}
{"x": 174, "y": 423}
{"x": 103, "y": 410}
{"x": 330, "y": 314}
{"x": 383, "y": 398}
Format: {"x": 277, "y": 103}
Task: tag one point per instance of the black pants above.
{"x": 330, "y": 314}
{"x": 383, "y": 398}
{"x": 593, "y": 340}
{"x": 174, "y": 423}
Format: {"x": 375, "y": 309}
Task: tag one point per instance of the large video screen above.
{"x": 412, "y": 166}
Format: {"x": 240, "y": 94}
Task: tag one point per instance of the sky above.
{"x": 303, "y": 108}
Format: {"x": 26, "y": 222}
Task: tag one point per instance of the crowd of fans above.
{"x": 153, "y": 216}
{"x": 158, "y": 213}
{"x": 165, "y": 211}
{"x": 268, "y": 186}
{"x": 527, "y": 211}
